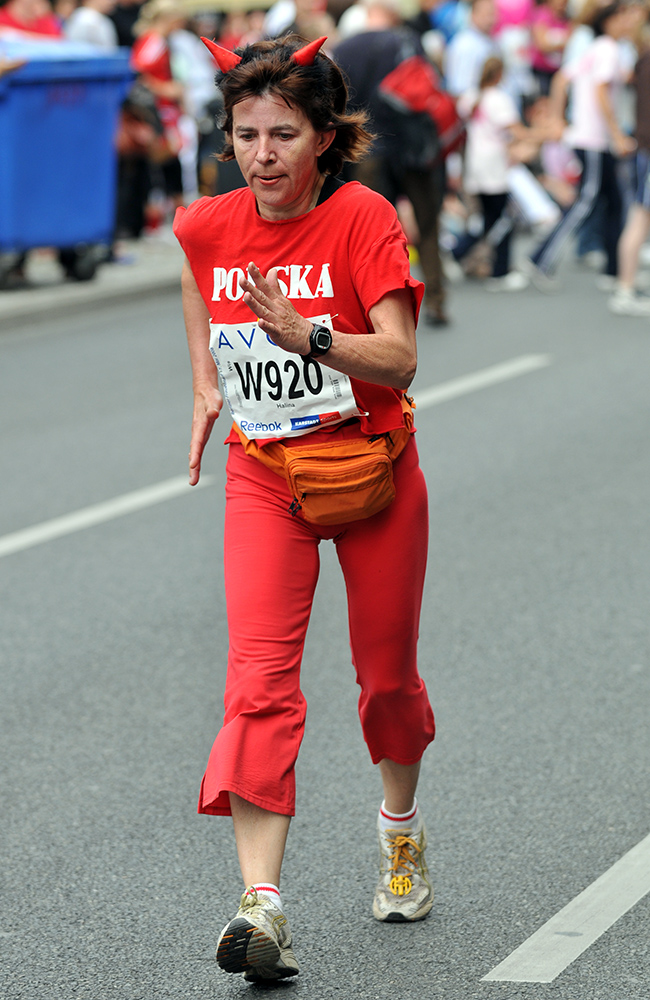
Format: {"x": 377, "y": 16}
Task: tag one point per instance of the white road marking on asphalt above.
{"x": 87, "y": 517}
{"x": 565, "y": 936}
{"x": 480, "y": 380}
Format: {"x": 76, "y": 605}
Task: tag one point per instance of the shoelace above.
{"x": 249, "y": 899}
{"x": 401, "y": 853}
{"x": 402, "y": 857}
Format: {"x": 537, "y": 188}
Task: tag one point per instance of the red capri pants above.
{"x": 275, "y": 556}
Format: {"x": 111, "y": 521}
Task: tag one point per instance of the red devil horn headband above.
{"x": 226, "y": 60}
{"x": 306, "y": 55}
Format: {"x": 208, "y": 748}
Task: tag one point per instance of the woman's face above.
{"x": 277, "y": 149}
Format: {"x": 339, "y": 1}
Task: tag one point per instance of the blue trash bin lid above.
{"x": 60, "y": 59}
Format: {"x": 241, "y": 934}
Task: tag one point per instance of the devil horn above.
{"x": 306, "y": 55}
{"x": 224, "y": 58}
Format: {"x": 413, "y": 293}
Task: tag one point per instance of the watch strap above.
{"x": 316, "y": 351}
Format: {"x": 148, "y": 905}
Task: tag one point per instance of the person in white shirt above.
{"x": 468, "y": 50}
{"x": 90, "y": 23}
{"x": 493, "y": 124}
{"x": 597, "y": 139}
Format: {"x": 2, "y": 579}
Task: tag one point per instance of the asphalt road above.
{"x": 534, "y": 648}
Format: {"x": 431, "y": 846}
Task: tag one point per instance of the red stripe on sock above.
{"x": 267, "y": 888}
{"x": 398, "y": 819}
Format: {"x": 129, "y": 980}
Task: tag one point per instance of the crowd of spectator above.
{"x": 552, "y": 97}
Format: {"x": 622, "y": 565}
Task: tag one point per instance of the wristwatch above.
{"x": 320, "y": 341}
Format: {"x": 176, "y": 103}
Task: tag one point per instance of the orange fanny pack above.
{"x": 338, "y": 480}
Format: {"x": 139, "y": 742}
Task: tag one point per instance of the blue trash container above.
{"x": 58, "y": 161}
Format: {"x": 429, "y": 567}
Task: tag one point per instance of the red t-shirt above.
{"x": 340, "y": 258}
{"x": 47, "y": 25}
{"x": 150, "y": 54}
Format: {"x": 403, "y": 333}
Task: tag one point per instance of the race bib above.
{"x": 272, "y": 393}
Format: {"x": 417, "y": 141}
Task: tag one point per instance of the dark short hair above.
{"x": 319, "y": 90}
{"x": 603, "y": 15}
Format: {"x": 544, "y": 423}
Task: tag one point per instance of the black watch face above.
{"x": 322, "y": 339}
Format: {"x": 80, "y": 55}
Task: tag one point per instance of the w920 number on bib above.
{"x": 294, "y": 379}
{"x": 272, "y": 393}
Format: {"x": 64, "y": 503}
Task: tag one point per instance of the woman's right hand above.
{"x": 207, "y": 407}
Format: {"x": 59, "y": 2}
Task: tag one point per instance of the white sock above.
{"x": 396, "y": 821}
{"x": 270, "y": 890}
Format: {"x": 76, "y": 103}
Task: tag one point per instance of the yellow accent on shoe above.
{"x": 404, "y": 891}
{"x": 404, "y": 855}
{"x": 400, "y": 885}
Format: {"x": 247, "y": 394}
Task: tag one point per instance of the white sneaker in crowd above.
{"x": 514, "y": 281}
{"x": 542, "y": 281}
{"x": 593, "y": 259}
{"x": 451, "y": 269}
{"x": 624, "y": 302}
{"x": 404, "y": 891}
{"x": 607, "y": 282}
{"x": 257, "y": 941}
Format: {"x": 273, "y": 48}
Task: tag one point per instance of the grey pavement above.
{"x": 534, "y": 647}
{"x": 143, "y": 266}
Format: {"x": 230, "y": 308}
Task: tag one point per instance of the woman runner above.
{"x": 298, "y": 286}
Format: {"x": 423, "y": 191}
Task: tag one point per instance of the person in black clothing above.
{"x": 396, "y": 167}
{"x": 124, "y": 15}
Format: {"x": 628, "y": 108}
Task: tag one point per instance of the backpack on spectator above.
{"x": 414, "y": 89}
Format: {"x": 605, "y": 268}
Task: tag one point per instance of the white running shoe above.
{"x": 606, "y": 282}
{"x": 593, "y": 259}
{"x": 626, "y": 303}
{"x": 513, "y": 281}
{"x": 642, "y": 282}
{"x": 451, "y": 269}
{"x": 404, "y": 891}
{"x": 542, "y": 281}
{"x": 257, "y": 941}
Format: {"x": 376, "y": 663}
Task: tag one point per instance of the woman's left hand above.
{"x": 277, "y": 317}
